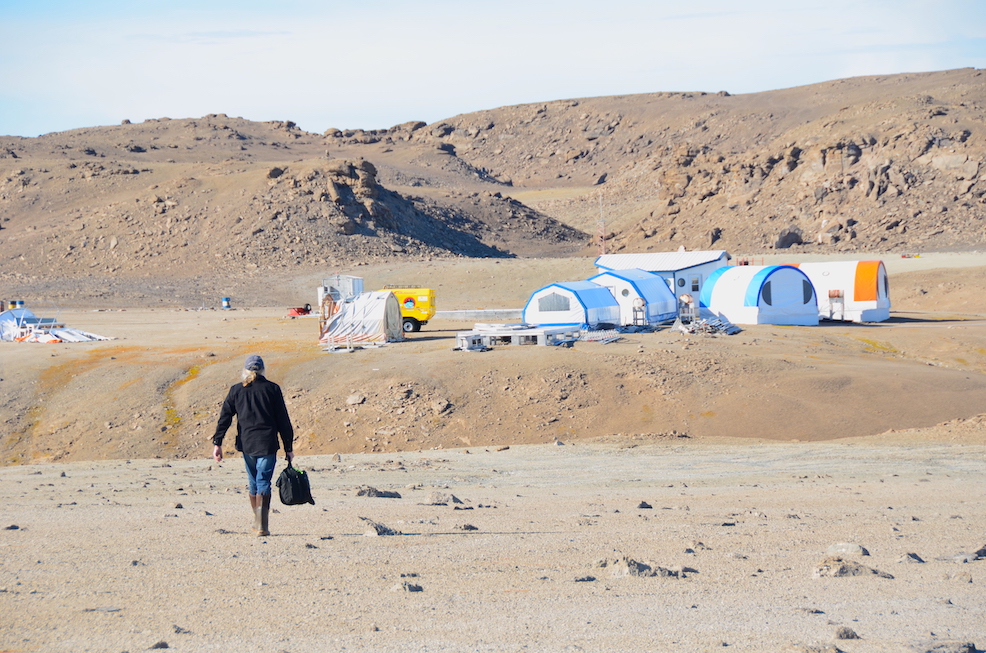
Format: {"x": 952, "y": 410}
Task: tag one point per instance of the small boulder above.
{"x": 837, "y": 567}
{"x": 846, "y": 548}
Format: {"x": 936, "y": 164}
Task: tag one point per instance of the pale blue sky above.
{"x": 375, "y": 63}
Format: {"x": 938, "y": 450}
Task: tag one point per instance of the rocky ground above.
{"x": 120, "y": 533}
{"x": 858, "y": 545}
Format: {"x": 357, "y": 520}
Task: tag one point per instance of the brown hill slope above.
{"x": 871, "y": 164}
{"x": 225, "y": 197}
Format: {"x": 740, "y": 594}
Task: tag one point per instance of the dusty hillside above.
{"x": 870, "y": 164}
{"x": 219, "y": 195}
{"x": 875, "y": 163}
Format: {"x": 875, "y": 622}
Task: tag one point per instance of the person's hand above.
{"x": 217, "y": 453}
{"x": 290, "y": 456}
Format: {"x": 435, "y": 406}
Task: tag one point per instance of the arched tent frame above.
{"x": 773, "y": 294}
{"x": 368, "y": 317}
{"x": 660, "y": 304}
{"x": 589, "y": 305}
{"x": 854, "y": 291}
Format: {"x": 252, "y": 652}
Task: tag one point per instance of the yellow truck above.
{"x": 417, "y": 306}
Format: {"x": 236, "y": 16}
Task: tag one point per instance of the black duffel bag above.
{"x": 293, "y": 487}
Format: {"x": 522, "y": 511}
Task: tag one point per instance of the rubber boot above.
{"x": 264, "y": 510}
{"x": 255, "y": 509}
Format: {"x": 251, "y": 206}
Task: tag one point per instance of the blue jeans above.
{"x": 260, "y": 470}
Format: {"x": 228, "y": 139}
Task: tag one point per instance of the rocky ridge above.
{"x": 876, "y": 164}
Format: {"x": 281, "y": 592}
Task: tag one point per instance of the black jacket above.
{"x": 260, "y": 416}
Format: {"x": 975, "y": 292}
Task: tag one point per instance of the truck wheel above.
{"x": 411, "y": 325}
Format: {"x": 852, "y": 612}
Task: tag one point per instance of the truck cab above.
{"x": 417, "y": 306}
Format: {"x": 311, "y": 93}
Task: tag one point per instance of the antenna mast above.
{"x": 602, "y": 228}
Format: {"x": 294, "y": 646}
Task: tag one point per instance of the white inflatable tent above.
{"x": 851, "y": 291}
{"x": 645, "y": 291}
{"x": 581, "y": 303}
{"x": 755, "y": 294}
{"x": 369, "y": 317}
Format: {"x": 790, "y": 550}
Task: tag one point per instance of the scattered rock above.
{"x": 625, "y": 566}
{"x": 836, "y": 567}
{"x": 788, "y": 237}
{"x": 910, "y": 557}
{"x": 161, "y": 644}
{"x": 406, "y": 587}
{"x": 441, "y": 499}
{"x": 378, "y": 529}
{"x": 355, "y": 400}
{"x": 846, "y": 548}
{"x": 643, "y": 505}
{"x": 367, "y": 491}
{"x": 466, "y": 527}
{"x": 945, "y": 647}
{"x": 585, "y": 579}
{"x": 844, "y": 632}
{"x": 12, "y": 527}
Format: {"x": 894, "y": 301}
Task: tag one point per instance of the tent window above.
{"x": 553, "y": 302}
{"x": 765, "y": 293}
{"x": 809, "y": 291}
{"x": 886, "y": 287}
{"x": 626, "y": 292}
{"x": 681, "y": 283}
{"x": 696, "y": 284}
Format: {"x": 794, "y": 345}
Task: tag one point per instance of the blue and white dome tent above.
{"x": 626, "y": 286}
{"x": 754, "y": 294}
{"x": 572, "y": 303}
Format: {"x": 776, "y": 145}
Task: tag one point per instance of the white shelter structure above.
{"x": 684, "y": 272}
{"x": 756, "y": 294}
{"x": 644, "y": 297}
{"x": 22, "y": 325}
{"x": 369, "y": 317}
{"x": 851, "y": 291}
{"x": 581, "y": 303}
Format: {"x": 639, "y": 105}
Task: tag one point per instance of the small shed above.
{"x": 851, "y": 291}
{"x": 581, "y": 303}
{"x": 368, "y": 317}
{"x": 684, "y": 272}
{"x": 756, "y": 294}
{"x": 644, "y": 297}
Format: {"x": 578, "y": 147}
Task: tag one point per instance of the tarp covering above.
{"x": 754, "y": 294}
{"x": 22, "y": 325}
{"x": 369, "y": 317}
{"x": 854, "y": 291}
{"x": 627, "y": 286}
{"x": 581, "y": 303}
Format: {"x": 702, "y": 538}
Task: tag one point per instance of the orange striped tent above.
{"x": 851, "y": 291}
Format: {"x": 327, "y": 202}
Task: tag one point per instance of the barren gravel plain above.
{"x": 583, "y": 499}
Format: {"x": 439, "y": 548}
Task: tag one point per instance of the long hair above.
{"x": 249, "y": 376}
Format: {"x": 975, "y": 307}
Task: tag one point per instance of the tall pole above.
{"x": 602, "y": 228}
